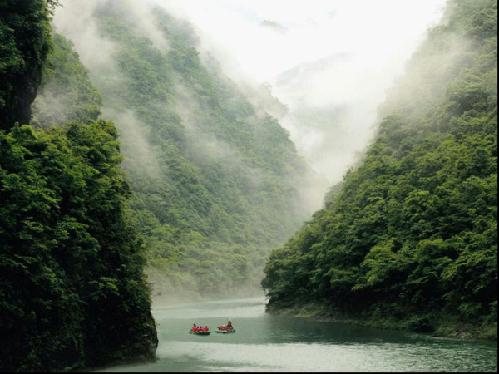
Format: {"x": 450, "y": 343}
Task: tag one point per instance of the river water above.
{"x": 271, "y": 343}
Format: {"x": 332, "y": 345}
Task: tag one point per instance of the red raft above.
{"x": 200, "y": 330}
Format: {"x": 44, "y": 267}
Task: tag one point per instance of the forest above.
{"x": 409, "y": 238}
{"x": 72, "y": 289}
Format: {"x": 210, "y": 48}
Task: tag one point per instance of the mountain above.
{"x": 409, "y": 238}
{"x": 216, "y": 181}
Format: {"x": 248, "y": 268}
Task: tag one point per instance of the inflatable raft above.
{"x": 200, "y": 331}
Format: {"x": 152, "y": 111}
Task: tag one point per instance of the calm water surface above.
{"x": 269, "y": 343}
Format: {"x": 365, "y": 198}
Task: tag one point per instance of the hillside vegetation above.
{"x": 410, "y": 235}
{"x": 216, "y": 181}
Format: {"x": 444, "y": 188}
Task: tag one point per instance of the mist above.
{"x": 76, "y": 21}
{"x": 329, "y": 63}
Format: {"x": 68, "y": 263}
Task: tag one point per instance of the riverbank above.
{"x": 439, "y": 327}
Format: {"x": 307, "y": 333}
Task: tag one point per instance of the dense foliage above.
{"x": 215, "y": 182}
{"x": 24, "y": 29}
{"x": 72, "y": 289}
{"x": 411, "y": 233}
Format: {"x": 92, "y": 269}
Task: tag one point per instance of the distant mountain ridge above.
{"x": 312, "y": 67}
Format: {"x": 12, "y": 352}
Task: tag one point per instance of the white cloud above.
{"x": 379, "y": 29}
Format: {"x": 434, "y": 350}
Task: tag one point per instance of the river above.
{"x": 270, "y": 343}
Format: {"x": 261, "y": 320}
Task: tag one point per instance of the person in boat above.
{"x": 227, "y": 327}
{"x": 195, "y": 328}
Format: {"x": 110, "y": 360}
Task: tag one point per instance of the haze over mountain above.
{"x": 343, "y": 74}
{"x": 216, "y": 181}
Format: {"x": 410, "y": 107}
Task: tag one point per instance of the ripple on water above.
{"x": 320, "y": 357}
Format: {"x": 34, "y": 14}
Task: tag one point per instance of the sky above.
{"x": 309, "y": 29}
